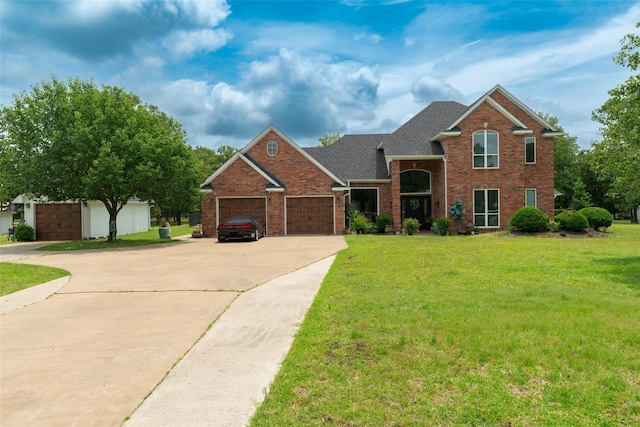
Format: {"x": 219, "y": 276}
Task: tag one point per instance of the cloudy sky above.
{"x": 228, "y": 69}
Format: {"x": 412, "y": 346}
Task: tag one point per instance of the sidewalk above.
{"x": 226, "y": 375}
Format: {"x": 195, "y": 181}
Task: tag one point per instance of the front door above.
{"x": 418, "y": 207}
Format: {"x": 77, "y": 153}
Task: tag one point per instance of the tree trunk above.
{"x": 113, "y": 229}
{"x": 634, "y": 216}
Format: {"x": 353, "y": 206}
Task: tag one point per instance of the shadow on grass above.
{"x": 625, "y": 270}
{"x": 103, "y": 244}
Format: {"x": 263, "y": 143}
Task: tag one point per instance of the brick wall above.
{"x": 513, "y": 176}
{"x": 295, "y": 171}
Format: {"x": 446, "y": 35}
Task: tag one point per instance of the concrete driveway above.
{"x": 92, "y": 352}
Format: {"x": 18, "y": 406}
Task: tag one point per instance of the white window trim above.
{"x": 473, "y": 155}
{"x": 535, "y": 150}
{"x": 535, "y": 197}
{"x": 272, "y": 143}
{"x": 486, "y": 213}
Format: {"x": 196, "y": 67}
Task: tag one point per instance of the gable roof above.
{"x": 353, "y": 157}
{"x": 415, "y": 137}
{"x": 548, "y": 129}
{"x": 273, "y": 181}
{"x": 271, "y": 128}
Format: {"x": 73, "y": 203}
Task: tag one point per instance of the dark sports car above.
{"x": 240, "y": 227}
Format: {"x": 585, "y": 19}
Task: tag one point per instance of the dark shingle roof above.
{"x": 353, "y": 157}
{"x": 414, "y": 137}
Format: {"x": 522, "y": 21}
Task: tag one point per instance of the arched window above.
{"x": 415, "y": 181}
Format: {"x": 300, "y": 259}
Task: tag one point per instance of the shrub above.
{"x": 572, "y": 221}
{"x": 597, "y": 217}
{"x": 23, "y": 233}
{"x": 554, "y": 226}
{"x": 411, "y": 225}
{"x": 361, "y": 223}
{"x": 530, "y": 220}
{"x": 457, "y": 211}
{"x": 382, "y": 221}
{"x": 444, "y": 224}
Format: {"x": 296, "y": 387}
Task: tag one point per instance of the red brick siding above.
{"x": 512, "y": 176}
{"x": 299, "y": 175}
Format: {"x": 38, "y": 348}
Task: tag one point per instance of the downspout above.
{"x": 446, "y": 185}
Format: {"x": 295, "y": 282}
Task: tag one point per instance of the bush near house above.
{"x": 571, "y": 220}
{"x": 444, "y": 224}
{"x": 530, "y": 220}
{"x": 411, "y": 225}
{"x": 24, "y": 233}
{"x": 361, "y": 223}
{"x": 597, "y": 217}
{"x": 382, "y": 221}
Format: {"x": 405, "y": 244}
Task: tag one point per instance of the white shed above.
{"x": 72, "y": 220}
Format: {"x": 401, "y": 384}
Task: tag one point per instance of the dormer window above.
{"x": 485, "y": 149}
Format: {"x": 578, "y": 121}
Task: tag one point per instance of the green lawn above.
{"x": 150, "y": 237}
{"x": 15, "y": 277}
{"x": 469, "y": 330}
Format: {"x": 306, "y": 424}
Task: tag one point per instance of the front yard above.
{"x": 469, "y": 330}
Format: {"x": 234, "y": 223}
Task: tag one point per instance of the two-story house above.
{"x": 496, "y": 156}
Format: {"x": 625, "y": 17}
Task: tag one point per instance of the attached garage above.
{"x": 58, "y": 221}
{"x": 310, "y": 215}
{"x": 243, "y": 206}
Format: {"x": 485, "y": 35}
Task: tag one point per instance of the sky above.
{"x": 227, "y": 69}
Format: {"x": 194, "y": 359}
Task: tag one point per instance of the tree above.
{"x": 326, "y": 139}
{"x": 566, "y": 167}
{"x": 617, "y": 156}
{"x": 75, "y": 141}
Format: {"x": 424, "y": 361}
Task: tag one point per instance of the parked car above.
{"x": 240, "y": 227}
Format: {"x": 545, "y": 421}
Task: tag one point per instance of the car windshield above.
{"x": 238, "y": 221}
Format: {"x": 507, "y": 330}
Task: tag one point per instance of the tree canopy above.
{"x": 617, "y": 156}
{"x": 75, "y": 141}
{"x": 328, "y": 139}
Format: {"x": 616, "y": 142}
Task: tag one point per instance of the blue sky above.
{"x": 228, "y": 69}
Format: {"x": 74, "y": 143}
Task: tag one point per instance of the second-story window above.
{"x": 485, "y": 149}
{"x": 530, "y": 149}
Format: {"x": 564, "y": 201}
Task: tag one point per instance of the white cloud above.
{"x": 185, "y": 44}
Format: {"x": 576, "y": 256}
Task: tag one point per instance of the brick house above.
{"x": 496, "y": 156}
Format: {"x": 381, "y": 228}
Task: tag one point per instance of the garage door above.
{"x": 252, "y": 206}
{"x": 310, "y": 215}
{"x": 58, "y": 222}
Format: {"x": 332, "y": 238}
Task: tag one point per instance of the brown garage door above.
{"x": 252, "y": 206}
{"x": 310, "y": 215}
{"x": 58, "y": 221}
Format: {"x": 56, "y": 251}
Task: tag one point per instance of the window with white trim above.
{"x": 531, "y": 197}
{"x": 485, "y": 149}
{"x": 272, "y": 147}
{"x": 530, "y": 149}
{"x": 486, "y": 208}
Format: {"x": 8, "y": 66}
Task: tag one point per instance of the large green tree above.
{"x": 75, "y": 141}
{"x": 617, "y": 156}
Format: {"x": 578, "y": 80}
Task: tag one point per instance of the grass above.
{"x": 469, "y": 330}
{"x": 150, "y": 237}
{"x": 15, "y": 277}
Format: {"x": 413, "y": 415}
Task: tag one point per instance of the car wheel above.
{"x": 220, "y": 240}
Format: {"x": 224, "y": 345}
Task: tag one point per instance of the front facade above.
{"x": 496, "y": 156}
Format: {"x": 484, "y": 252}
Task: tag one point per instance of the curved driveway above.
{"x": 92, "y": 352}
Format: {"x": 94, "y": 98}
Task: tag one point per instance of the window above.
{"x": 530, "y": 149}
{"x": 272, "y": 148}
{"x": 365, "y": 201}
{"x": 415, "y": 181}
{"x": 486, "y": 208}
{"x": 485, "y": 149}
{"x": 530, "y": 197}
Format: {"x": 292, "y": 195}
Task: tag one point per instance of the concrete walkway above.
{"x": 218, "y": 318}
